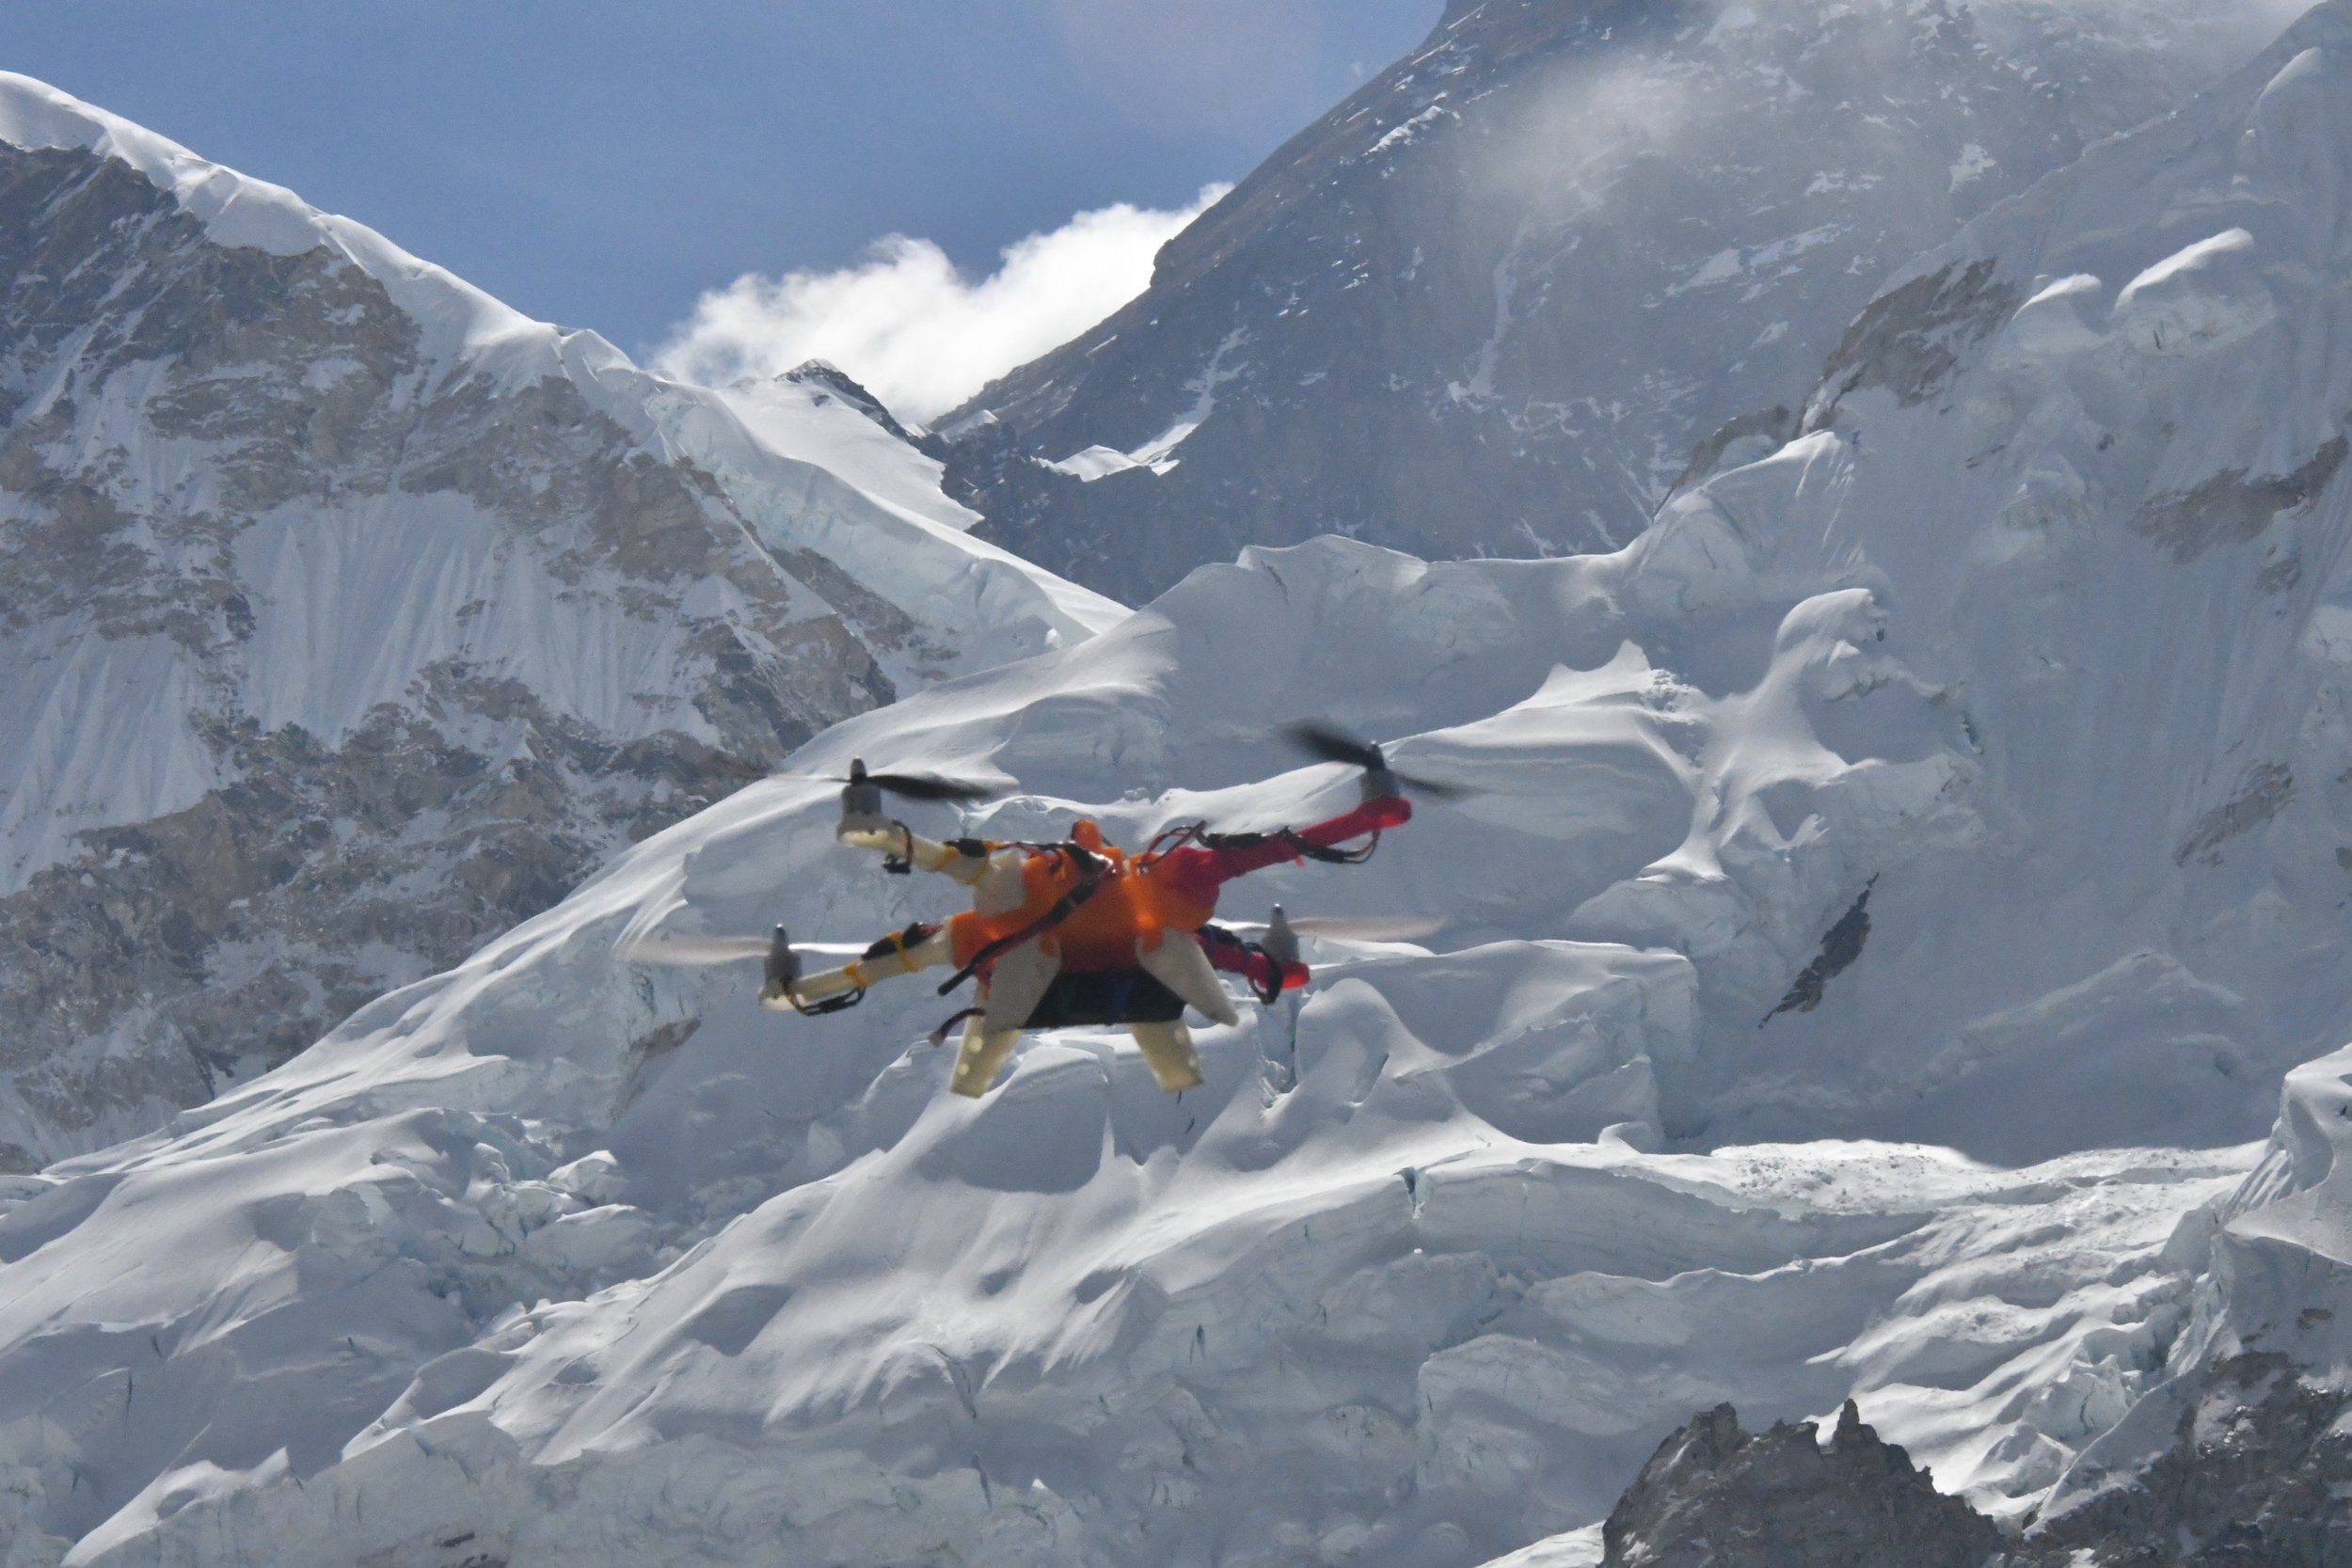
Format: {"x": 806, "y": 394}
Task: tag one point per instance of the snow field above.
{"x": 1399, "y": 1280}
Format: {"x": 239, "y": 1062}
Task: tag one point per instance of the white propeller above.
{"x": 1354, "y": 928}
{"x": 721, "y": 950}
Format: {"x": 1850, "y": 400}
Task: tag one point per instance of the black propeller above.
{"x": 1328, "y": 744}
{"x": 913, "y": 786}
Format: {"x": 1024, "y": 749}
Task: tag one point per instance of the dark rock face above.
{"x": 1910, "y": 339}
{"x": 2256, "y": 1474}
{"x": 1841, "y": 947}
{"x": 830, "y": 380}
{"x": 167, "y": 401}
{"x": 2231, "y": 508}
{"x": 1491, "y": 303}
{"x": 387, "y": 858}
{"x": 1715, "y": 1497}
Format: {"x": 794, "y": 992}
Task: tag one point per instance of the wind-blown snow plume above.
{"x": 914, "y": 329}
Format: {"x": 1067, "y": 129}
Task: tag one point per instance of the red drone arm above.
{"x": 1236, "y": 957}
{"x": 1199, "y": 870}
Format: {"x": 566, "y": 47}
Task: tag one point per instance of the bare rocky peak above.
{"x": 1717, "y": 1497}
{"x": 345, "y": 620}
{"x": 1491, "y": 303}
{"x": 2251, "y": 1465}
{"x": 826, "y": 379}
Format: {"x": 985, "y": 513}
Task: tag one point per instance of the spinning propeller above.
{"x": 1328, "y": 744}
{"x": 698, "y": 951}
{"x": 1282, "y": 930}
{"x": 863, "y": 798}
{"x": 1282, "y": 939}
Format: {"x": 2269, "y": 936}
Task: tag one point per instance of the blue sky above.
{"x": 601, "y": 163}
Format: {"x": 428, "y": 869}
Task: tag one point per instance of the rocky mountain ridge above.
{"x": 1491, "y": 303}
{"x": 351, "y": 617}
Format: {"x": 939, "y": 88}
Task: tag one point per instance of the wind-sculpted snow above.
{"x": 575, "y": 1260}
{"x": 2108, "y": 520}
{"x": 350, "y": 617}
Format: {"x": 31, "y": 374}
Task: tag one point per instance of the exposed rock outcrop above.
{"x": 2257, "y": 1473}
{"x": 1717, "y": 1497}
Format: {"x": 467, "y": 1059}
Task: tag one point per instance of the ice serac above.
{"x": 2241, "y": 1450}
{"x": 2092, "y": 457}
{"x": 2133, "y": 390}
{"x": 1493, "y": 301}
{"x": 350, "y": 617}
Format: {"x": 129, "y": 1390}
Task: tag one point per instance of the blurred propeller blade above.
{"x": 720, "y": 950}
{"x": 1437, "y": 789}
{"x": 1354, "y": 928}
{"x": 915, "y": 786}
{"x": 918, "y": 786}
{"x": 1326, "y": 743}
{"x": 1369, "y": 928}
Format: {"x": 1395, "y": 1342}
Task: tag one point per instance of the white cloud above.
{"x": 912, "y": 328}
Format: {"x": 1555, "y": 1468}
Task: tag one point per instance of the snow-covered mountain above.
{"x": 1491, "y": 303}
{"x": 351, "y": 616}
{"x": 1900, "y": 880}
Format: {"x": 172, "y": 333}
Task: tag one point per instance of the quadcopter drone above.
{"x": 1080, "y": 932}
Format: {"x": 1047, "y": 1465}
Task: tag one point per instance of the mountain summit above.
{"x": 1492, "y": 303}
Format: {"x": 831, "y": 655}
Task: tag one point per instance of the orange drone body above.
{"x": 1133, "y": 906}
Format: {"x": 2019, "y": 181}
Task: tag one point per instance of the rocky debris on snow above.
{"x": 1716, "y": 1497}
{"x": 2265, "y": 792}
{"x": 2231, "y": 508}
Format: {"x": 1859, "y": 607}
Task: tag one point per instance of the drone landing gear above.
{"x": 1017, "y": 982}
{"x": 1149, "y": 1010}
{"x": 1167, "y": 1049}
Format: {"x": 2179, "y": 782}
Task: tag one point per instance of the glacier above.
{"x": 657, "y": 1274}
